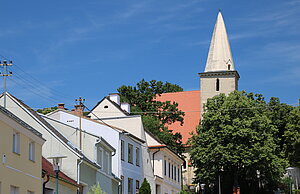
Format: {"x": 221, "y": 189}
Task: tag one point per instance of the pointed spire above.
{"x": 219, "y": 55}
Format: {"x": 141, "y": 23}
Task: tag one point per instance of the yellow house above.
{"x": 21, "y": 156}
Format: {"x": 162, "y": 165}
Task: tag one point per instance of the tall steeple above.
{"x": 219, "y": 75}
{"x": 219, "y": 55}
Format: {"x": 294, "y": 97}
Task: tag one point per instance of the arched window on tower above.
{"x": 217, "y": 85}
{"x": 228, "y": 67}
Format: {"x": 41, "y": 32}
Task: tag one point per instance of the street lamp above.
{"x": 258, "y": 176}
{"x": 202, "y": 188}
{"x": 289, "y": 171}
{"x": 57, "y": 163}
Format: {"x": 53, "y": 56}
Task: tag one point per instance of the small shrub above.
{"x": 145, "y": 187}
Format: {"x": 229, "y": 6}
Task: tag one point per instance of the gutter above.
{"x": 78, "y": 174}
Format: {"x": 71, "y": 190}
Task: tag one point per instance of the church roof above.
{"x": 188, "y": 102}
{"x": 219, "y": 55}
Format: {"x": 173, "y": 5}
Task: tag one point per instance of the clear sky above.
{"x": 66, "y": 49}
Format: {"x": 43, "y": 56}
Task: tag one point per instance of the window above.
{"x": 178, "y": 173}
{"x": 31, "y": 151}
{"x": 107, "y": 162}
{"x": 16, "y": 142}
{"x": 228, "y": 67}
{"x": 122, "y": 150}
{"x": 165, "y": 167}
{"x": 105, "y": 106}
{"x": 169, "y": 170}
{"x": 122, "y": 185}
{"x": 137, "y": 155}
{"x": 130, "y": 186}
{"x": 14, "y": 190}
{"x": 184, "y": 164}
{"x": 172, "y": 171}
{"x": 137, "y": 186}
{"x": 175, "y": 173}
{"x": 217, "y": 85}
{"x": 100, "y": 157}
{"x": 130, "y": 153}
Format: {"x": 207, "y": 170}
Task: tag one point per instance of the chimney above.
{"x": 125, "y": 106}
{"x": 78, "y": 110}
{"x": 61, "y": 106}
{"x": 115, "y": 98}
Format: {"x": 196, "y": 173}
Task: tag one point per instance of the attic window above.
{"x": 228, "y": 67}
{"x": 105, "y": 106}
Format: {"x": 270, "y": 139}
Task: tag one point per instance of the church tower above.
{"x": 219, "y": 75}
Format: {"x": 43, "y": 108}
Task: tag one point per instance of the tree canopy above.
{"x": 238, "y": 138}
{"x": 145, "y": 187}
{"x": 155, "y": 114}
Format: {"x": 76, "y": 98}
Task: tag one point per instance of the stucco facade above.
{"x": 20, "y": 168}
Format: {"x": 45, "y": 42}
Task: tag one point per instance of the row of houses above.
{"x": 108, "y": 147}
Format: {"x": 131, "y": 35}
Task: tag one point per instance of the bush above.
{"x": 95, "y": 189}
{"x": 145, "y": 187}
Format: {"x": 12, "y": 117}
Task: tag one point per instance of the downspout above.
{"x": 78, "y": 175}
{"x": 45, "y": 182}
{"x": 153, "y": 157}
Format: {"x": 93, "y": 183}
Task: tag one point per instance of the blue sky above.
{"x": 66, "y": 49}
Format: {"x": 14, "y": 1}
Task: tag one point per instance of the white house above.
{"x": 94, "y": 147}
{"x": 126, "y": 162}
{"x": 77, "y": 165}
{"x": 112, "y": 112}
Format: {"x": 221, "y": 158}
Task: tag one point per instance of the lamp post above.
{"x": 202, "y": 188}
{"x": 57, "y": 163}
{"x": 289, "y": 171}
{"x": 258, "y": 176}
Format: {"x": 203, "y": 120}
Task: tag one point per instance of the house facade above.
{"x": 127, "y": 162}
{"x": 97, "y": 149}
{"x": 167, "y": 166}
{"x": 21, "y": 155}
{"x": 104, "y": 111}
{"x": 77, "y": 165}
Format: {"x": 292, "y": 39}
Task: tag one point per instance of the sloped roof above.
{"x": 48, "y": 167}
{"x": 188, "y": 102}
{"x": 219, "y": 55}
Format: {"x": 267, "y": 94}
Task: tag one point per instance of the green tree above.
{"x": 46, "y": 110}
{"x": 236, "y": 139}
{"x": 95, "y": 189}
{"x": 291, "y": 137}
{"x": 155, "y": 114}
{"x": 145, "y": 187}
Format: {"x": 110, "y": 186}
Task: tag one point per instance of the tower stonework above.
{"x": 219, "y": 75}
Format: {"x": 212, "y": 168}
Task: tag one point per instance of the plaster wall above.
{"x": 17, "y": 170}
{"x": 208, "y": 87}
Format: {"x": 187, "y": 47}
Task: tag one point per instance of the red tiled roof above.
{"x": 188, "y": 102}
{"x": 48, "y": 167}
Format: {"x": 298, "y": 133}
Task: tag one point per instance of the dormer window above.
{"x": 228, "y": 67}
{"x": 217, "y": 85}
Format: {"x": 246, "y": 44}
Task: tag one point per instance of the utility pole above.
{"x": 81, "y": 107}
{"x": 5, "y": 74}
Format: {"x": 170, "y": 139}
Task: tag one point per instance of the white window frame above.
{"x": 31, "y": 151}
{"x": 137, "y": 156}
{"x": 16, "y": 142}
{"x": 100, "y": 157}
{"x": 130, "y": 153}
{"x": 122, "y": 150}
